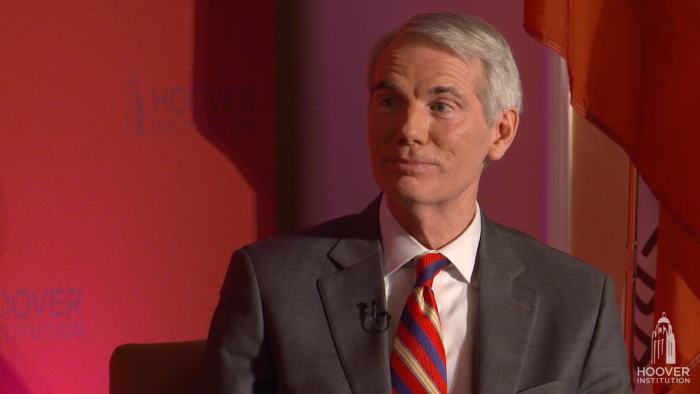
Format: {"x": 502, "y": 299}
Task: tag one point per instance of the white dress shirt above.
{"x": 455, "y": 296}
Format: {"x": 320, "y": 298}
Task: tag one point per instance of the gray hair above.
{"x": 470, "y": 38}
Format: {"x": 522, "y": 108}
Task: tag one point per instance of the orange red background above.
{"x": 123, "y": 189}
{"x": 138, "y": 149}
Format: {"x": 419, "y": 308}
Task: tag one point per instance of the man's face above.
{"x": 427, "y": 134}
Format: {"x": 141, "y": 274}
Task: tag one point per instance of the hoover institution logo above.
{"x": 663, "y": 342}
{"x": 663, "y": 357}
{"x": 173, "y": 110}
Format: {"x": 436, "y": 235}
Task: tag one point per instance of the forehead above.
{"x": 425, "y": 64}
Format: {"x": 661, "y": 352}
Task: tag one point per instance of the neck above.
{"x": 434, "y": 225}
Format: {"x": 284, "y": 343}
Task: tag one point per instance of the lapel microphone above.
{"x": 382, "y": 316}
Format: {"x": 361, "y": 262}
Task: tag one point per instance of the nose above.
{"x": 416, "y": 126}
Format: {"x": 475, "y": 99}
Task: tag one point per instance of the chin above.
{"x": 407, "y": 191}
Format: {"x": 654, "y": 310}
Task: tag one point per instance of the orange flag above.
{"x": 634, "y": 72}
{"x": 678, "y": 296}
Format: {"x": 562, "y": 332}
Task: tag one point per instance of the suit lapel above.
{"x": 506, "y": 315}
{"x": 347, "y": 297}
{"x": 506, "y": 312}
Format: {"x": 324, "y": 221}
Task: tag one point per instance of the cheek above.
{"x": 378, "y": 131}
{"x": 464, "y": 145}
{"x": 372, "y": 140}
{"x": 375, "y": 148}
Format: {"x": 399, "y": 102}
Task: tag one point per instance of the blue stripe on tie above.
{"x": 398, "y": 384}
{"x": 430, "y": 271}
{"x": 422, "y": 338}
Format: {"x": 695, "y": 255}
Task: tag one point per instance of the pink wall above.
{"x": 123, "y": 190}
{"x": 334, "y": 176}
{"x": 137, "y": 151}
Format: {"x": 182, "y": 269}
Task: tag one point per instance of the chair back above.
{"x": 155, "y": 368}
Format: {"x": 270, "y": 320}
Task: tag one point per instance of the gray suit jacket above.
{"x": 294, "y": 317}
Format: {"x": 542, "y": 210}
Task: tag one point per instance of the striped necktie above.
{"x": 418, "y": 360}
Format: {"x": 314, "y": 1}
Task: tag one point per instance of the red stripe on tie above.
{"x": 424, "y": 262}
{"x": 420, "y": 340}
{"x": 410, "y": 380}
{"x": 429, "y": 329}
{"x": 419, "y": 354}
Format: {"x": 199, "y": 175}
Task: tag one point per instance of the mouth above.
{"x": 409, "y": 165}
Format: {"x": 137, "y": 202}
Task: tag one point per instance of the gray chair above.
{"x": 155, "y": 368}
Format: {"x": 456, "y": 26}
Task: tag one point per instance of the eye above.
{"x": 441, "y": 107}
{"x": 387, "y": 102}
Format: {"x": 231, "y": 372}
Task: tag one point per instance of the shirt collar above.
{"x": 399, "y": 247}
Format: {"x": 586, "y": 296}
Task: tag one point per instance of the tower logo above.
{"x": 134, "y": 108}
{"x": 663, "y": 357}
{"x": 663, "y": 342}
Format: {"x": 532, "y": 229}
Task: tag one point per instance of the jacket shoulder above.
{"x": 541, "y": 259}
{"x": 322, "y": 236}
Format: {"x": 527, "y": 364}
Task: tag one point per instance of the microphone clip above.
{"x": 382, "y": 315}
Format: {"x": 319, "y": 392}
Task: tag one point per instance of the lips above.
{"x": 409, "y": 165}
{"x": 408, "y": 161}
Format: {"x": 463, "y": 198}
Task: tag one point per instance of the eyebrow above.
{"x": 384, "y": 84}
{"x": 447, "y": 89}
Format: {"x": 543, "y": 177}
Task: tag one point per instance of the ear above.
{"x": 503, "y": 132}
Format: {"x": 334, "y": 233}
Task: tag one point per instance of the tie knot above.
{"x": 428, "y": 266}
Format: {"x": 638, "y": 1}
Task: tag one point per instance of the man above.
{"x": 420, "y": 292}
